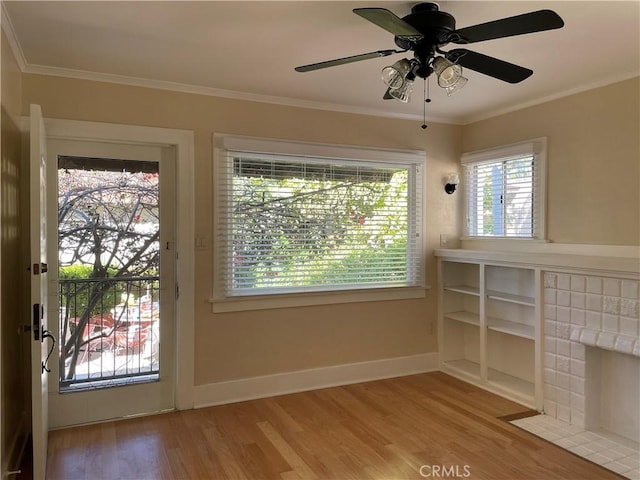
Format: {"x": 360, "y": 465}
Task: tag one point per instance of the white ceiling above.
{"x": 249, "y": 50}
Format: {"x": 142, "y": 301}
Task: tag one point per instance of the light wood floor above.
{"x": 386, "y": 429}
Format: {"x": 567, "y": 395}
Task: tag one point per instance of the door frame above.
{"x": 183, "y": 142}
{"x": 77, "y": 406}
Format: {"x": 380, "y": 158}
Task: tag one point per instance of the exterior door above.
{"x": 40, "y": 336}
{"x": 114, "y": 278}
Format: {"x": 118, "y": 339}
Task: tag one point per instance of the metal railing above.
{"x": 109, "y": 331}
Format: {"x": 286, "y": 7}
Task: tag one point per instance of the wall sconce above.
{"x": 451, "y": 182}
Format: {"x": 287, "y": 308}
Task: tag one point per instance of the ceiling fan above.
{"x": 426, "y": 30}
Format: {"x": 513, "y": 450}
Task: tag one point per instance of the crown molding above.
{"x": 14, "y": 44}
{"x": 217, "y": 92}
{"x": 284, "y": 101}
{"x": 564, "y": 93}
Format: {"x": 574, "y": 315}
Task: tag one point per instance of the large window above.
{"x": 297, "y": 218}
{"x": 505, "y": 191}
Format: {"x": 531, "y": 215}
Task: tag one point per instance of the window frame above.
{"x": 223, "y": 143}
{"x": 538, "y": 149}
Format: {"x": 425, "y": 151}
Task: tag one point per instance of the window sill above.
{"x": 266, "y": 302}
{"x": 503, "y": 239}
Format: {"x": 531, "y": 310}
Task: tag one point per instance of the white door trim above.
{"x": 183, "y": 142}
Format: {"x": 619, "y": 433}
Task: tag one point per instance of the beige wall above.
{"x": 593, "y": 169}
{"x": 15, "y": 404}
{"x": 245, "y": 344}
{"x": 592, "y": 198}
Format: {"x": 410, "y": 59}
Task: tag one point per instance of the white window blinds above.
{"x": 504, "y": 190}
{"x": 291, "y": 223}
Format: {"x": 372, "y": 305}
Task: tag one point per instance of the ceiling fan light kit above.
{"x": 448, "y": 73}
{"x": 456, "y": 87}
{"x": 394, "y": 75}
{"x": 426, "y": 30}
{"x": 403, "y": 94}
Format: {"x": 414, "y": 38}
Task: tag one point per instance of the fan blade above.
{"x": 387, "y": 95}
{"x": 493, "y": 67}
{"x": 507, "y": 27}
{"x": 389, "y": 21}
{"x": 342, "y": 61}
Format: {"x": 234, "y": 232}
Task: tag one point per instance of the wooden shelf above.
{"x": 511, "y": 298}
{"x": 466, "y": 289}
{"x": 464, "y": 317}
{"x": 511, "y": 328}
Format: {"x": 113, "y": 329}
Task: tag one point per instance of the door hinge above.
{"x": 177, "y": 291}
{"x": 38, "y": 268}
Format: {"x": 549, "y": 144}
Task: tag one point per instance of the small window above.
{"x": 505, "y": 191}
{"x": 298, "y": 218}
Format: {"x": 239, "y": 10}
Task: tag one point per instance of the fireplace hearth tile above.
{"x": 593, "y": 446}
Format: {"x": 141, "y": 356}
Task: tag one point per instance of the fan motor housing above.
{"x": 433, "y": 24}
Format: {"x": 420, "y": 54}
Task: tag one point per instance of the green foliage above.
{"x": 349, "y": 269}
{"x": 487, "y": 204}
{"x": 76, "y": 271}
{"x": 295, "y": 232}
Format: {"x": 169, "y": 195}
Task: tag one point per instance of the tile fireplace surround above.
{"x": 583, "y": 311}
{"x": 586, "y": 317}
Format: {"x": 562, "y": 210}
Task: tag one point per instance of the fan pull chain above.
{"x": 427, "y": 94}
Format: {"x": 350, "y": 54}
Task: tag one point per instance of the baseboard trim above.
{"x": 303, "y": 380}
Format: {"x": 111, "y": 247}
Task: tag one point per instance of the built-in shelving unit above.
{"x": 489, "y": 325}
{"x": 461, "y": 318}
